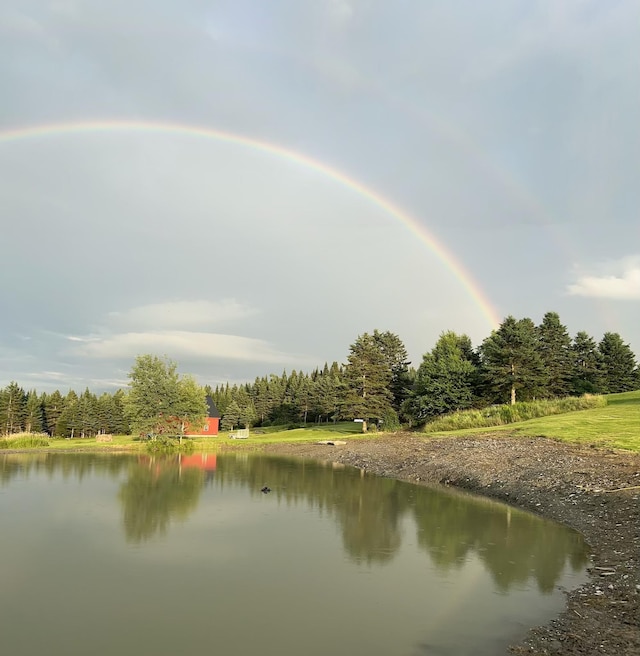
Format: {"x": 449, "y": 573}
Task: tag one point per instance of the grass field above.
{"x": 615, "y": 425}
{"x": 270, "y": 435}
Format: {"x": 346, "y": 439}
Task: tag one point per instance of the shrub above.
{"x": 390, "y": 421}
{"x": 165, "y": 444}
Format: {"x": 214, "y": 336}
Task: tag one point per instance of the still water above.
{"x": 107, "y": 555}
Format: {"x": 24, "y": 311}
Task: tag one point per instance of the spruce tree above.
{"x": 397, "y": 360}
{"x": 53, "y": 405}
{"x": 12, "y": 409}
{"x": 511, "y": 364}
{"x": 231, "y": 417}
{"x": 33, "y": 415}
{"x": 618, "y": 364}
{"x": 587, "y": 366}
{"x": 554, "y": 345}
{"x": 367, "y": 377}
{"x": 445, "y": 380}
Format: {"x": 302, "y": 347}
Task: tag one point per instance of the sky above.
{"x": 245, "y": 187}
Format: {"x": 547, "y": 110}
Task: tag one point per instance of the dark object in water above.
{"x": 265, "y": 489}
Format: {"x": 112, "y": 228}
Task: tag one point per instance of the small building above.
{"x": 212, "y": 423}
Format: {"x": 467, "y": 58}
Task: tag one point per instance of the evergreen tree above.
{"x": 618, "y": 364}
{"x": 33, "y": 421}
{"x": 12, "y": 408}
{"x": 445, "y": 380}
{"x": 397, "y": 360}
{"x": 231, "y": 417}
{"x": 260, "y": 399}
{"x": 119, "y": 424}
{"x": 87, "y": 414}
{"x": 52, "y": 405}
{"x": 68, "y": 422}
{"x": 587, "y": 366}
{"x": 510, "y": 361}
{"x": 554, "y": 344}
{"x": 367, "y": 378}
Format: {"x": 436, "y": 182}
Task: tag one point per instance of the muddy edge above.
{"x": 579, "y": 486}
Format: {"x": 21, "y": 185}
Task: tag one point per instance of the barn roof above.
{"x": 212, "y": 410}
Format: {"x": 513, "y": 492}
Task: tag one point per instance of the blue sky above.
{"x": 508, "y": 130}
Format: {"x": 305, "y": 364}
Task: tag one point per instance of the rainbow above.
{"x": 440, "y": 251}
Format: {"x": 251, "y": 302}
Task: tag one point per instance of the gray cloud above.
{"x": 508, "y": 130}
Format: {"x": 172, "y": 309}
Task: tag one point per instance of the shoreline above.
{"x": 594, "y": 491}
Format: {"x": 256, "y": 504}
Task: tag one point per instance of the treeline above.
{"x": 71, "y": 415}
{"x": 519, "y": 361}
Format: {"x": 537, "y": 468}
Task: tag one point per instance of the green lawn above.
{"x": 270, "y": 435}
{"x": 616, "y": 425}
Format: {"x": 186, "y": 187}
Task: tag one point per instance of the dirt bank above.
{"x": 581, "y": 487}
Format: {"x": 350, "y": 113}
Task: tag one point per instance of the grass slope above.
{"x": 615, "y": 425}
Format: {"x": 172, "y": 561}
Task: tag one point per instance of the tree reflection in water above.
{"x": 157, "y": 491}
{"x": 371, "y": 512}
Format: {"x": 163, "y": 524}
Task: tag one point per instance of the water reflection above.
{"x": 157, "y": 491}
{"x": 370, "y": 512}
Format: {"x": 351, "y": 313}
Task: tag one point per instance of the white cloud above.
{"x": 182, "y": 344}
{"x": 624, "y": 284}
{"x": 181, "y": 314}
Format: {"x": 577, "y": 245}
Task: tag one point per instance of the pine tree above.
{"x": 510, "y": 361}
{"x": 618, "y": 363}
{"x": 554, "y": 345}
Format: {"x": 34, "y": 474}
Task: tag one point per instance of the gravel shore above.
{"x": 594, "y": 491}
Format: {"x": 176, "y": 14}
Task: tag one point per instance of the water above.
{"x": 108, "y": 555}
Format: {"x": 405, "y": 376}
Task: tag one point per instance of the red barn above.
{"x": 212, "y": 423}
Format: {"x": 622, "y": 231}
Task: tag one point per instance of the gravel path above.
{"x": 595, "y": 491}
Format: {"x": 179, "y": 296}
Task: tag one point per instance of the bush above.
{"x": 499, "y": 415}
{"x": 390, "y": 421}
{"x": 165, "y": 444}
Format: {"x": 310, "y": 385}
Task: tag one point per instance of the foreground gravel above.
{"x": 592, "y": 490}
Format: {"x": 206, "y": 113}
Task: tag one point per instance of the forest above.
{"x": 518, "y": 361}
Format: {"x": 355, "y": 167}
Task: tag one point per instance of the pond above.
{"x": 105, "y": 554}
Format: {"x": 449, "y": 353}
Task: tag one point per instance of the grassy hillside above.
{"x": 616, "y": 425}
